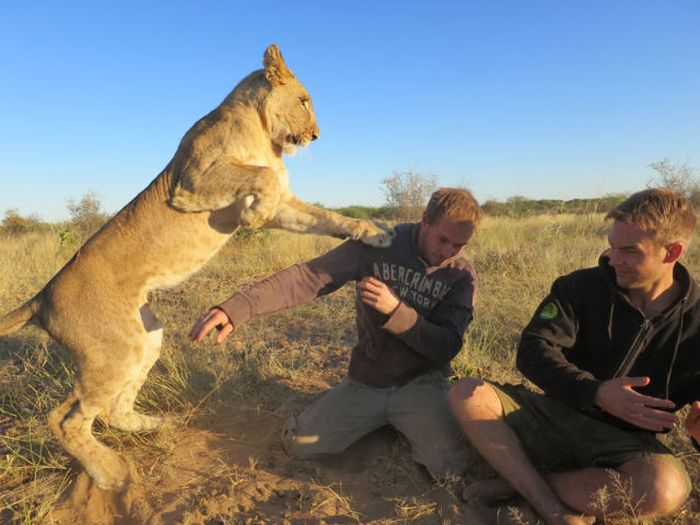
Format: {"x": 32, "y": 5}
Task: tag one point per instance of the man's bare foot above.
{"x": 576, "y": 520}
{"x": 488, "y": 492}
{"x": 520, "y": 514}
{"x": 569, "y": 518}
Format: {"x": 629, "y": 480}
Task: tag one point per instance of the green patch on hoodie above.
{"x": 549, "y": 311}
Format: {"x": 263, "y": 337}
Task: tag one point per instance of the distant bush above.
{"x": 86, "y": 214}
{"x": 519, "y": 206}
{"x": 355, "y": 211}
{"x": 14, "y": 223}
{"x": 514, "y": 207}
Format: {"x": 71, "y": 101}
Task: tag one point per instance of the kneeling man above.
{"x": 616, "y": 350}
{"x": 414, "y": 302}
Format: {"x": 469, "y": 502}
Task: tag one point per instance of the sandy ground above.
{"x": 236, "y": 471}
{"x": 228, "y": 467}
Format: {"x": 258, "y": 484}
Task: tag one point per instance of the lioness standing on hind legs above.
{"x": 227, "y": 172}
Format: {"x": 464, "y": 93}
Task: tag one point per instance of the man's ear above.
{"x": 674, "y": 252}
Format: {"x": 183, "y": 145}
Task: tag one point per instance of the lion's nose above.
{"x": 314, "y": 136}
{"x": 315, "y": 133}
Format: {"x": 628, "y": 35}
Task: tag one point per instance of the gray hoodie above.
{"x": 422, "y": 334}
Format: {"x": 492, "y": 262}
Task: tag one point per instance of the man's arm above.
{"x": 541, "y": 359}
{"x": 540, "y": 354}
{"x": 437, "y": 337}
{"x": 290, "y": 287}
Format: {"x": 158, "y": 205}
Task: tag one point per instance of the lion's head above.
{"x": 230, "y": 144}
{"x": 288, "y": 108}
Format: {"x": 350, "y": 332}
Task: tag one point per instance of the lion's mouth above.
{"x": 295, "y": 139}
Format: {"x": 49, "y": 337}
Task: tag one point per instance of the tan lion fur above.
{"x": 227, "y": 172}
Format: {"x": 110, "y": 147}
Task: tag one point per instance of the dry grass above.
{"x": 269, "y": 365}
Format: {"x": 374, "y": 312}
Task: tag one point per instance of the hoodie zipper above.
{"x": 635, "y": 349}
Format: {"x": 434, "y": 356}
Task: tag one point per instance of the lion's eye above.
{"x": 305, "y": 103}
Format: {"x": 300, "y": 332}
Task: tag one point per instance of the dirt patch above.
{"x": 87, "y": 503}
{"x": 237, "y": 472}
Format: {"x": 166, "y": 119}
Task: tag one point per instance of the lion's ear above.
{"x": 276, "y": 71}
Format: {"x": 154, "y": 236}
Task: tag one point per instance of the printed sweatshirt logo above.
{"x": 415, "y": 287}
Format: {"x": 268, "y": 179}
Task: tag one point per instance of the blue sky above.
{"x": 545, "y": 99}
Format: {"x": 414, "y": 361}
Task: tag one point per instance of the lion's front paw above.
{"x": 258, "y": 210}
{"x": 375, "y": 233}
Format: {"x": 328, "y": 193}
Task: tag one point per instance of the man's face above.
{"x": 442, "y": 240}
{"x": 638, "y": 260}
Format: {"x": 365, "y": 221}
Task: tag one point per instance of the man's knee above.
{"x": 299, "y": 446}
{"x": 441, "y": 464}
{"x": 661, "y": 483}
{"x": 472, "y": 399}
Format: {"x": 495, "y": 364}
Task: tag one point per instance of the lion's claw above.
{"x": 376, "y": 234}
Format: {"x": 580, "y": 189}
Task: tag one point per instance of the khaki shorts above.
{"x": 350, "y": 410}
{"x": 557, "y": 437}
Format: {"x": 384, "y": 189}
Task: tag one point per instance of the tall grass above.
{"x": 516, "y": 261}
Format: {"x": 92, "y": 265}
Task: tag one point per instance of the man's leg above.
{"x": 335, "y": 421}
{"x": 647, "y": 486}
{"x": 644, "y": 487}
{"x": 421, "y": 412}
{"x": 478, "y": 409}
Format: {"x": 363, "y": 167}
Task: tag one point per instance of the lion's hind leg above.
{"x": 112, "y": 368}
{"x": 121, "y": 414}
{"x": 71, "y": 422}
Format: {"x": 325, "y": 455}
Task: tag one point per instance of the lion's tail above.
{"x": 19, "y": 318}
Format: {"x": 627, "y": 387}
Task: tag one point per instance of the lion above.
{"x": 227, "y": 172}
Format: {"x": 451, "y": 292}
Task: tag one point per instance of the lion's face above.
{"x": 288, "y": 107}
{"x": 291, "y": 116}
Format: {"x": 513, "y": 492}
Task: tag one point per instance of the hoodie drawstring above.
{"x": 611, "y": 313}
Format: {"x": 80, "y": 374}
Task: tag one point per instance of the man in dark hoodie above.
{"x": 413, "y": 304}
{"x": 616, "y": 350}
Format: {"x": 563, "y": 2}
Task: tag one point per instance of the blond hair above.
{"x": 455, "y": 204}
{"x": 664, "y": 213}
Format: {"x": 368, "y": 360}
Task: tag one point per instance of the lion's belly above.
{"x": 170, "y": 264}
{"x": 158, "y": 250}
{"x": 161, "y": 277}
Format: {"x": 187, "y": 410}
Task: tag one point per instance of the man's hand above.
{"x": 692, "y": 422}
{"x": 214, "y": 318}
{"x": 378, "y": 295}
{"x": 617, "y": 397}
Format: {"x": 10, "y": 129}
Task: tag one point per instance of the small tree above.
{"x": 682, "y": 178}
{"x": 492, "y": 207}
{"x": 87, "y": 213}
{"x": 518, "y": 206}
{"x": 407, "y": 193}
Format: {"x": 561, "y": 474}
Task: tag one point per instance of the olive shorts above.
{"x": 557, "y": 437}
{"x": 419, "y": 410}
